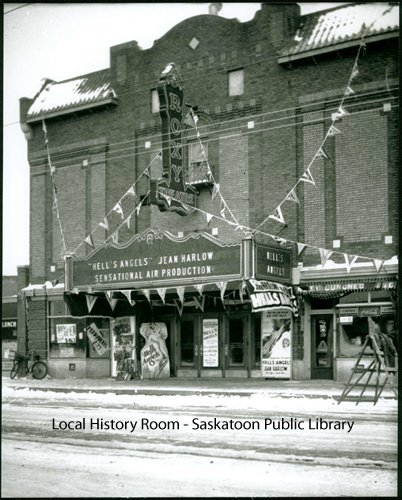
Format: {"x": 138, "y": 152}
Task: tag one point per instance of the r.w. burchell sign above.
{"x": 159, "y": 257}
{"x": 170, "y": 192}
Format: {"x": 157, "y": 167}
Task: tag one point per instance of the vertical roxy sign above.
{"x": 171, "y": 191}
{"x": 210, "y": 345}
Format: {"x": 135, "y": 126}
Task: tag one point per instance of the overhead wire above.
{"x": 58, "y": 158}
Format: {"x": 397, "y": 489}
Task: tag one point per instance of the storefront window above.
{"x": 76, "y": 337}
{"x": 354, "y": 330}
{"x": 187, "y": 343}
{"x": 67, "y": 338}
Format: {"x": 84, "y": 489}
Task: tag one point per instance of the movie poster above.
{"x": 124, "y": 359}
{"x": 154, "y": 355}
{"x": 276, "y": 348}
{"x": 210, "y": 351}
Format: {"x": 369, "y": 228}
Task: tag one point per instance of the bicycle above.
{"x": 29, "y": 364}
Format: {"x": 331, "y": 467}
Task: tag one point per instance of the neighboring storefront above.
{"x": 8, "y": 339}
{"x": 340, "y": 310}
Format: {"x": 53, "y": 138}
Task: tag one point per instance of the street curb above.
{"x": 181, "y": 392}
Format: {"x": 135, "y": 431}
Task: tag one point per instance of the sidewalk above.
{"x": 327, "y": 389}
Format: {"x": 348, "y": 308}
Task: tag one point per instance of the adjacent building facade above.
{"x": 151, "y": 249}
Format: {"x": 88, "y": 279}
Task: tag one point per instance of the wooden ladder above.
{"x": 377, "y": 366}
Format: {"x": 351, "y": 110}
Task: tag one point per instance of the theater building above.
{"x": 222, "y": 204}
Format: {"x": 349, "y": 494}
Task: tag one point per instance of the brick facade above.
{"x": 259, "y": 144}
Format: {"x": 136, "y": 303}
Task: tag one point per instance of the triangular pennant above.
{"x": 277, "y": 215}
{"x": 189, "y": 120}
{"x": 200, "y": 302}
{"x": 242, "y": 290}
{"x": 180, "y": 293}
{"x": 138, "y": 208}
{"x": 88, "y": 240}
{"x": 147, "y": 294}
{"x": 222, "y": 287}
{"x": 146, "y": 172}
{"x": 52, "y": 169}
{"x": 349, "y": 91}
{"x": 44, "y": 127}
{"x": 378, "y": 264}
{"x": 55, "y": 282}
{"x": 91, "y": 299}
{"x": 215, "y": 191}
{"x": 300, "y": 248}
{"x": 198, "y": 134}
{"x": 128, "y": 221}
{"x": 199, "y": 288}
{"x": 322, "y": 154}
{"x": 110, "y": 299}
{"x": 167, "y": 198}
{"x": 180, "y": 307}
{"x": 223, "y": 211}
{"x": 307, "y": 177}
{"x": 209, "y": 217}
{"x": 127, "y": 294}
{"x": 349, "y": 263}
{"x": 104, "y": 224}
{"x": 333, "y": 131}
{"x": 325, "y": 255}
{"x": 279, "y": 240}
{"x": 115, "y": 236}
{"x": 355, "y": 72}
{"x": 341, "y": 113}
{"x": 131, "y": 191}
{"x": 117, "y": 208}
{"x": 292, "y": 196}
{"x": 161, "y": 293}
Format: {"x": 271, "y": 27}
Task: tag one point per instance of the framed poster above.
{"x": 66, "y": 334}
{"x": 210, "y": 343}
{"x": 123, "y": 347}
{"x": 276, "y": 344}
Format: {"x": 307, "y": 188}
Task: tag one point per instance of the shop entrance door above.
{"x": 200, "y": 346}
{"x": 235, "y": 346}
{"x": 322, "y": 346}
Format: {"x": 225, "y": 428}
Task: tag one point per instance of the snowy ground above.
{"x": 41, "y": 461}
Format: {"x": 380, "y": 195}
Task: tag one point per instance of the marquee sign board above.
{"x": 170, "y": 191}
{"x": 273, "y": 263}
{"x": 156, "y": 258}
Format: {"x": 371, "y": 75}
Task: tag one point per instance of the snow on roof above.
{"x": 41, "y": 288}
{"x": 342, "y": 24}
{"x": 66, "y": 96}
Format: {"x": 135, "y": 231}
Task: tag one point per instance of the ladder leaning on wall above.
{"x": 380, "y": 365}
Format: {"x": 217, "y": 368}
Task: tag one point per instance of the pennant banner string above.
{"x": 130, "y": 191}
{"x": 300, "y": 246}
{"x": 218, "y": 191}
{"x": 55, "y": 200}
{"x": 331, "y": 131}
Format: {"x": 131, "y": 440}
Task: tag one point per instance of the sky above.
{"x": 59, "y": 41}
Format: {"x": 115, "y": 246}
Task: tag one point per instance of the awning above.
{"x": 125, "y": 302}
{"x": 339, "y": 287}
